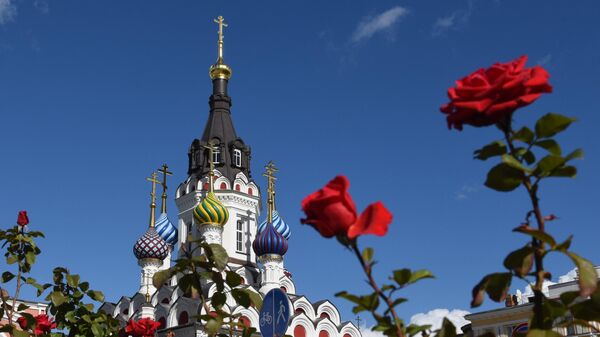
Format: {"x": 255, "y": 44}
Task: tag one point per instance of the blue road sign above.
{"x": 275, "y": 314}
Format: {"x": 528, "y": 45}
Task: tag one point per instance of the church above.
{"x": 221, "y": 203}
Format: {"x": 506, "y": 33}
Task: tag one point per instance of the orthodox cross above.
{"x": 211, "y": 150}
{"x": 153, "y": 197}
{"x": 165, "y": 171}
{"x": 221, "y": 22}
{"x": 358, "y": 320}
{"x": 270, "y": 174}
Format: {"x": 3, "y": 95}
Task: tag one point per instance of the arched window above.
{"x": 347, "y": 335}
{"x": 323, "y": 333}
{"x": 299, "y": 331}
{"x": 163, "y": 323}
{"x": 325, "y": 315}
{"x": 300, "y": 311}
{"x": 237, "y": 158}
{"x": 205, "y": 186}
{"x": 165, "y": 300}
{"x": 223, "y": 186}
{"x": 237, "y": 187}
{"x": 245, "y": 321}
{"x": 183, "y": 318}
{"x": 283, "y": 289}
{"x": 126, "y": 311}
{"x": 250, "y": 191}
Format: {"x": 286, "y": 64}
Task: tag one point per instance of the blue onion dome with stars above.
{"x": 279, "y": 225}
{"x": 151, "y": 246}
{"x": 270, "y": 241}
{"x": 166, "y": 229}
{"x": 211, "y": 211}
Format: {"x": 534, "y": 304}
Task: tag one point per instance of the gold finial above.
{"x": 147, "y": 294}
{"x": 153, "y": 198}
{"x": 220, "y": 69}
{"x": 165, "y": 171}
{"x": 270, "y": 171}
{"x": 221, "y": 22}
{"x": 211, "y": 150}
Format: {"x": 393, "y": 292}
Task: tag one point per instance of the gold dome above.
{"x": 219, "y": 70}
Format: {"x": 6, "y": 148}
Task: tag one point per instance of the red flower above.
{"x": 43, "y": 324}
{"x": 22, "y": 219}
{"x": 145, "y": 327}
{"x": 331, "y": 211}
{"x": 491, "y": 95}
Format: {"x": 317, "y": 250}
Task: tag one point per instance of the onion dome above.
{"x": 166, "y": 229}
{"x": 279, "y": 225}
{"x": 270, "y": 241}
{"x": 151, "y": 246}
{"x": 211, "y": 211}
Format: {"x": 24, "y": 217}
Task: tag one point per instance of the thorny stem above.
{"x": 368, "y": 271}
{"x": 537, "y": 245}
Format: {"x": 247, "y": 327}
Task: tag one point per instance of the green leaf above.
{"x": 493, "y": 149}
{"x": 551, "y": 124}
{"x": 525, "y": 154}
{"x": 542, "y": 333}
{"x": 588, "y": 277}
{"x": 504, "y": 178}
{"x": 419, "y": 275}
{"x": 586, "y": 310}
{"x": 414, "y": 329}
{"x": 565, "y": 171}
{"x": 19, "y": 333}
{"x": 218, "y": 299}
{"x": 398, "y": 301}
{"x": 549, "y": 145}
{"x": 7, "y": 276}
{"x": 568, "y": 297}
{"x": 255, "y": 299}
{"x": 350, "y": 297}
{"x": 219, "y": 256}
{"x": 513, "y": 162}
{"x": 402, "y": 276}
{"x": 542, "y": 236}
{"x": 565, "y": 245}
{"x": 213, "y": 326}
{"x": 447, "y": 330}
{"x": 57, "y": 298}
{"x": 11, "y": 259}
{"x": 524, "y": 135}
{"x": 233, "y": 279}
{"x": 577, "y": 154}
{"x": 367, "y": 255}
{"x": 22, "y": 307}
{"x": 496, "y": 285}
{"x": 161, "y": 277}
{"x": 241, "y": 297}
{"x": 30, "y": 257}
{"x": 96, "y": 295}
{"x": 548, "y": 164}
{"x": 96, "y": 330}
{"x": 520, "y": 261}
{"x": 73, "y": 280}
{"x": 367, "y": 303}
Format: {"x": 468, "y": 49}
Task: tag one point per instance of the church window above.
{"x": 325, "y": 315}
{"x": 347, "y": 335}
{"x": 163, "y": 323}
{"x": 250, "y": 191}
{"x": 237, "y": 187}
{"x": 239, "y": 235}
{"x": 323, "y": 333}
{"x": 216, "y": 156}
{"x": 283, "y": 289}
{"x": 299, "y": 331}
{"x": 237, "y": 157}
{"x": 223, "y": 186}
{"x": 183, "y": 318}
{"x": 300, "y": 311}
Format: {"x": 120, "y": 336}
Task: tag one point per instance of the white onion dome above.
{"x": 166, "y": 229}
{"x": 151, "y": 246}
{"x": 279, "y": 225}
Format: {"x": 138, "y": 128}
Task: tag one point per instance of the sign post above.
{"x": 275, "y": 314}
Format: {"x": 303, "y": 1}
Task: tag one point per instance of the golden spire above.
{"x": 270, "y": 171}
{"x": 153, "y": 198}
{"x": 211, "y": 150}
{"x": 165, "y": 171}
{"x": 220, "y": 69}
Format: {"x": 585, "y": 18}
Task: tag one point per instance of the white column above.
{"x": 212, "y": 233}
{"x": 149, "y": 268}
{"x": 146, "y": 311}
{"x": 271, "y": 272}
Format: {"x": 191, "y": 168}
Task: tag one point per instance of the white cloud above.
{"x": 383, "y": 21}
{"x": 436, "y": 316}
{"x": 367, "y": 332}
{"x": 455, "y": 20}
{"x": 523, "y": 295}
{"x": 465, "y": 190}
{"x": 568, "y": 277}
{"x": 8, "y": 11}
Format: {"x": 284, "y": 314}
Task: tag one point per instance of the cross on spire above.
{"x": 154, "y": 181}
{"x": 221, "y": 22}
{"x": 211, "y": 150}
{"x": 358, "y": 320}
{"x": 165, "y": 171}
{"x": 270, "y": 174}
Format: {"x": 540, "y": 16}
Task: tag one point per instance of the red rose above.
{"x": 43, "y": 324}
{"x": 489, "y": 96}
{"x": 331, "y": 211}
{"x": 22, "y": 219}
{"x": 145, "y": 327}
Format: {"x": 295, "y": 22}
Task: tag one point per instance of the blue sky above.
{"x": 94, "y": 95}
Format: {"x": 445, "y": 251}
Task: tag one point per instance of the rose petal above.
{"x": 375, "y": 219}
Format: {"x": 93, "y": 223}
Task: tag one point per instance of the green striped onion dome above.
{"x": 211, "y": 211}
